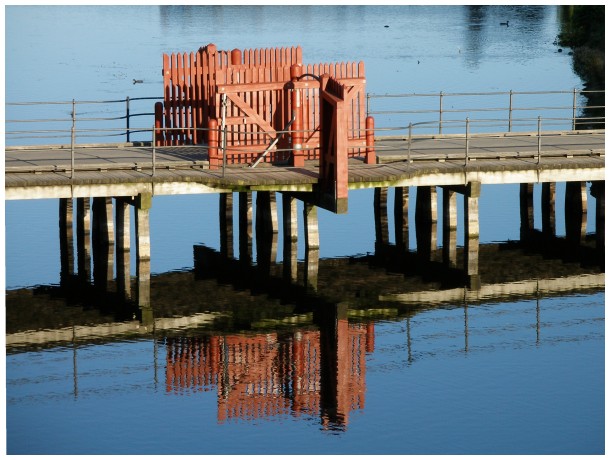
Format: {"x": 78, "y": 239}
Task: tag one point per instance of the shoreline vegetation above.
{"x": 583, "y": 30}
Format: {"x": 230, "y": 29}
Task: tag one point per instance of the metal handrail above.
{"x": 510, "y": 108}
{"x": 74, "y": 132}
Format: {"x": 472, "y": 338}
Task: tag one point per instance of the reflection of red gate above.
{"x": 261, "y": 100}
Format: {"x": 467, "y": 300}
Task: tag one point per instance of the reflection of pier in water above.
{"x": 310, "y": 322}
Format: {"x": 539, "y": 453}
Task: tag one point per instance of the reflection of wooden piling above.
{"x": 225, "y": 211}
{"x": 471, "y": 233}
{"x": 245, "y": 226}
{"x": 83, "y": 237}
{"x": 401, "y": 217}
{"x": 381, "y": 215}
{"x": 312, "y": 245}
{"x": 576, "y": 212}
{"x": 123, "y": 245}
{"x": 335, "y": 361}
{"x": 426, "y": 216}
{"x": 290, "y": 230}
{"x": 142, "y": 218}
{"x": 526, "y": 206}
{"x": 547, "y": 207}
{"x": 449, "y": 227}
{"x": 66, "y": 236}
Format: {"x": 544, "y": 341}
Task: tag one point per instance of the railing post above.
{"x": 440, "y": 114}
{"x": 574, "y": 110}
{"x": 159, "y": 122}
{"x": 467, "y": 140}
{"x": 510, "y": 110}
{"x": 127, "y": 116}
{"x": 539, "y": 137}
{"x": 370, "y": 141}
{"x": 154, "y": 149}
{"x": 213, "y": 143}
{"x": 72, "y": 139}
{"x": 223, "y": 129}
{"x": 409, "y": 144}
{"x": 224, "y": 149}
{"x": 296, "y": 71}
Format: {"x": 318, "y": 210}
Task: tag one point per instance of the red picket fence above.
{"x": 260, "y": 98}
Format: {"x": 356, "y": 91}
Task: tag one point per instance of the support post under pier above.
{"x": 449, "y": 227}
{"x": 426, "y": 218}
{"x": 290, "y": 230}
{"x": 123, "y": 246}
{"x": 471, "y": 234}
{"x": 225, "y": 211}
{"x": 547, "y": 198}
{"x": 312, "y": 245}
{"x": 142, "y": 218}
{"x": 598, "y": 191}
{"x": 103, "y": 242}
{"x": 526, "y": 206}
{"x": 381, "y": 216}
{"x": 401, "y": 217}
{"x": 83, "y": 237}
{"x": 576, "y": 212}
{"x": 245, "y": 227}
{"x": 66, "y": 238}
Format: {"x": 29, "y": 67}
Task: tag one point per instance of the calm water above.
{"x": 521, "y": 375}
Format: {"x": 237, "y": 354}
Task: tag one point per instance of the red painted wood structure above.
{"x": 253, "y": 96}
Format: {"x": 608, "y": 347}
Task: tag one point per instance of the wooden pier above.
{"x": 261, "y": 121}
{"x": 126, "y": 173}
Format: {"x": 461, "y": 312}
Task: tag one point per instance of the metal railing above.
{"x": 110, "y": 118}
{"x": 394, "y": 110}
{"x": 99, "y": 120}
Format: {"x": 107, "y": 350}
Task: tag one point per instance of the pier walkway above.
{"x": 127, "y": 169}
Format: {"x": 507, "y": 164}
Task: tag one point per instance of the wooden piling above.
{"x": 471, "y": 234}
{"x": 225, "y": 211}
{"x": 426, "y": 218}
{"x": 547, "y": 207}
{"x": 401, "y": 217}
{"x": 266, "y": 227}
{"x": 142, "y": 218}
{"x": 381, "y": 216}
{"x": 576, "y": 212}
{"x": 66, "y": 237}
{"x": 123, "y": 246}
{"x": 312, "y": 246}
{"x": 103, "y": 241}
{"x": 245, "y": 226}
{"x": 290, "y": 231}
{"x": 526, "y": 206}
{"x": 449, "y": 227}
{"x": 83, "y": 237}
{"x": 598, "y": 191}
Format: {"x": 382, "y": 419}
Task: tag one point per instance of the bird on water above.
{"x": 504, "y": 23}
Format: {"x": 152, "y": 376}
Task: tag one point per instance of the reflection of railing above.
{"x": 391, "y": 110}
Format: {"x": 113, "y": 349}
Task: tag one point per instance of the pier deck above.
{"x": 127, "y": 169}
